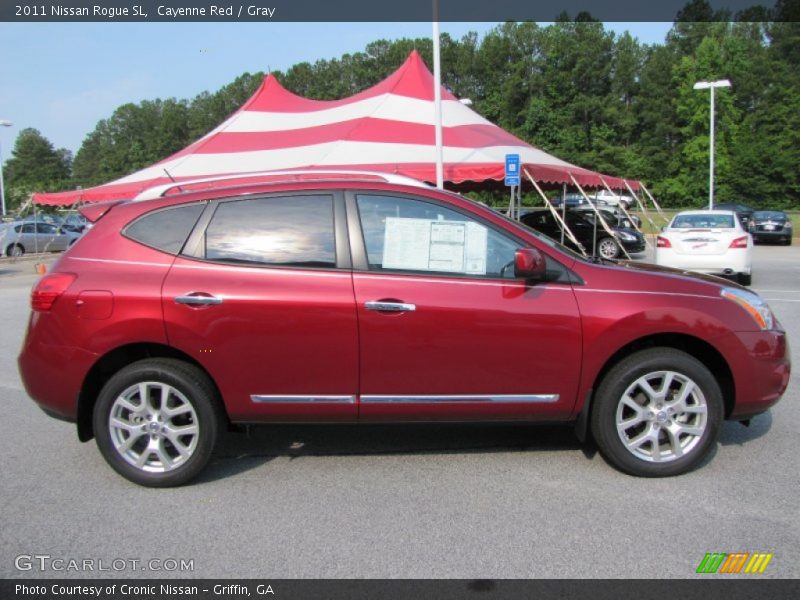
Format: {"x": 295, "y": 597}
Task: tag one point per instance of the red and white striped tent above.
{"x": 388, "y": 127}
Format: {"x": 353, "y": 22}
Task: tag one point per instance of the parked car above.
{"x": 623, "y": 200}
{"x": 598, "y": 197}
{"x": 583, "y": 227}
{"x": 707, "y": 241}
{"x": 743, "y": 212}
{"x": 19, "y": 237}
{"x": 373, "y": 298}
{"x": 575, "y": 200}
{"x": 771, "y": 226}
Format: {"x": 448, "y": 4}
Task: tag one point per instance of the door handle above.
{"x": 198, "y": 299}
{"x": 384, "y": 306}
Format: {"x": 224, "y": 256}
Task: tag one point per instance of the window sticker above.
{"x": 435, "y": 245}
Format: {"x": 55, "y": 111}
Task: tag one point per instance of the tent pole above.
{"x": 653, "y": 200}
{"x": 598, "y": 215}
{"x": 437, "y": 98}
{"x": 625, "y": 212}
{"x": 563, "y": 208}
{"x": 564, "y": 227}
{"x": 642, "y": 207}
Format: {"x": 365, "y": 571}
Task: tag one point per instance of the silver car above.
{"x": 20, "y": 237}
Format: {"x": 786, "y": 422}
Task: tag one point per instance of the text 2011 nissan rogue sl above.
{"x": 368, "y": 298}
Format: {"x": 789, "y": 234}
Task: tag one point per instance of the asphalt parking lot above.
{"x": 476, "y": 501}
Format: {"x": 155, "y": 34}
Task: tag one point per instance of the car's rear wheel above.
{"x": 156, "y": 422}
{"x": 15, "y": 250}
{"x": 608, "y": 248}
{"x": 657, "y": 413}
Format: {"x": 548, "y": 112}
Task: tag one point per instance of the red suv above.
{"x": 325, "y": 297}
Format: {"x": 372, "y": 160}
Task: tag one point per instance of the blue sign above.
{"x": 512, "y": 169}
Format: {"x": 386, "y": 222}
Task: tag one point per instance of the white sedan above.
{"x": 707, "y": 241}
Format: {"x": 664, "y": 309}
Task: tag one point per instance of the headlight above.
{"x": 753, "y": 304}
{"x": 624, "y": 235}
{"x": 787, "y": 225}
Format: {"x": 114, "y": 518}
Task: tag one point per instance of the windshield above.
{"x": 703, "y": 221}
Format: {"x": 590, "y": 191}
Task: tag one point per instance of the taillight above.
{"x": 663, "y": 242}
{"x": 49, "y": 289}
{"x": 740, "y": 242}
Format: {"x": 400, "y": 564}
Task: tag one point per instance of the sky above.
{"x": 62, "y": 78}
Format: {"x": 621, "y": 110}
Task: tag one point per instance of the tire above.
{"x": 608, "y": 248}
{"x": 15, "y": 250}
{"x": 696, "y": 420}
{"x": 745, "y": 278}
{"x": 143, "y": 447}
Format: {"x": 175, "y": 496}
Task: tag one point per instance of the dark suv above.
{"x": 373, "y": 298}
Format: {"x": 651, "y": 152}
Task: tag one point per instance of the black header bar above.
{"x": 370, "y": 10}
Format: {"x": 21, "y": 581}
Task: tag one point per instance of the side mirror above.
{"x": 530, "y": 264}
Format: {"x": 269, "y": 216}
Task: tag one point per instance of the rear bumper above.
{"x": 713, "y": 264}
{"x": 771, "y": 236}
{"x": 53, "y": 376}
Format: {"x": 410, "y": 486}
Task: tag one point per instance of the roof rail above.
{"x": 283, "y": 177}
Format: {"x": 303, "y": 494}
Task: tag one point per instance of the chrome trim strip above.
{"x": 506, "y": 398}
{"x": 292, "y": 399}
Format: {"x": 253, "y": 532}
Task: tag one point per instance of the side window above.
{"x": 165, "y": 229}
{"x": 28, "y": 228}
{"x": 287, "y": 230}
{"x": 46, "y": 228}
{"x": 402, "y": 234}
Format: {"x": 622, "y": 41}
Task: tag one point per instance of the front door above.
{"x": 446, "y": 331}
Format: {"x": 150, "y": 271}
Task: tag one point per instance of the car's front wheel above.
{"x": 156, "y": 422}
{"x": 608, "y": 248}
{"x": 657, "y": 413}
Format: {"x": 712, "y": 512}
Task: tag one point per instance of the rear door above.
{"x": 446, "y": 331}
{"x": 262, "y": 297}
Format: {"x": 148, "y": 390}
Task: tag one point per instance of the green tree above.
{"x": 35, "y": 165}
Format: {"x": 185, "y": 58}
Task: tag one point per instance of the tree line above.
{"x": 572, "y": 88}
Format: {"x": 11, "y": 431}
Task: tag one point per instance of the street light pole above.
{"x": 437, "y": 99}
{"x": 3, "y": 123}
{"x": 711, "y": 85}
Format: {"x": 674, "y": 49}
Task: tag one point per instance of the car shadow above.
{"x": 238, "y": 452}
{"x": 736, "y": 434}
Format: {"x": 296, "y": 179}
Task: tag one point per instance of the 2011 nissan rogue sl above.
{"x": 357, "y": 297}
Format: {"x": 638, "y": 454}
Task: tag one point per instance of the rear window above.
{"x": 165, "y": 229}
{"x": 703, "y": 222}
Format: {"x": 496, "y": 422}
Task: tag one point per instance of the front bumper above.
{"x": 761, "y": 366}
